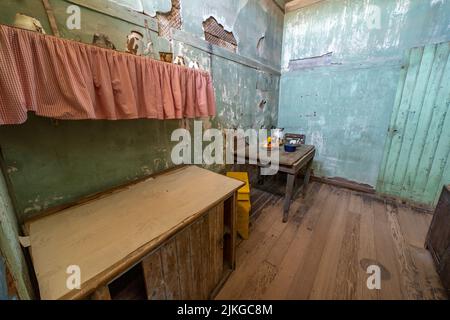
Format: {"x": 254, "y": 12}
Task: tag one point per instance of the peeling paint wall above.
{"x": 353, "y": 32}
{"x": 3, "y": 284}
{"x": 240, "y": 89}
{"x": 237, "y": 104}
{"x": 344, "y": 105}
{"x": 249, "y": 20}
{"x": 10, "y": 248}
{"x": 50, "y": 163}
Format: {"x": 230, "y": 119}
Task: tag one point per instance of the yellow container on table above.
{"x": 243, "y": 204}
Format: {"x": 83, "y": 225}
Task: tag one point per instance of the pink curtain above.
{"x": 64, "y": 79}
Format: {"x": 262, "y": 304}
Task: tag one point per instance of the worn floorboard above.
{"x": 324, "y": 250}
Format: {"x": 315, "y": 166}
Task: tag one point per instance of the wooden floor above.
{"x": 324, "y": 250}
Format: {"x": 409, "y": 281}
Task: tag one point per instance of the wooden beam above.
{"x": 297, "y": 4}
{"x": 51, "y": 17}
{"x": 278, "y": 5}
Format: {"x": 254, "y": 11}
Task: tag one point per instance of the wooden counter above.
{"x": 107, "y": 236}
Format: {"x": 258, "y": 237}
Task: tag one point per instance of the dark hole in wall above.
{"x": 216, "y": 34}
{"x": 262, "y": 104}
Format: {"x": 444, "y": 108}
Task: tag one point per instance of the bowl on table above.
{"x": 290, "y": 148}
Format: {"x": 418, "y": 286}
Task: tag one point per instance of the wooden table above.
{"x": 187, "y": 214}
{"x": 290, "y": 163}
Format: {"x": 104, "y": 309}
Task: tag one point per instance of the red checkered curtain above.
{"x": 69, "y": 80}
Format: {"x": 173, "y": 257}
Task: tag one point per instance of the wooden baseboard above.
{"x": 344, "y": 183}
{"x": 410, "y": 203}
{"x": 364, "y": 188}
{"x": 220, "y": 285}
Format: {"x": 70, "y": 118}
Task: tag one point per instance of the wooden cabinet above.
{"x": 190, "y": 265}
{"x": 169, "y": 237}
{"x": 438, "y": 238}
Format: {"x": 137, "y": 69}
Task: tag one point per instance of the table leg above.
{"x": 288, "y": 195}
{"x": 307, "y": 176}
{"x": 260, "y": 177}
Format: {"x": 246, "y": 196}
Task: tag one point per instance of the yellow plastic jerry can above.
{"x": 243, "y": 204}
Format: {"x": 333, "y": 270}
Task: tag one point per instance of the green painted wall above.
{"x": 3, "y": 282}
{"x": 51, "y": 163}
{"x": 238, "y": 105}
{"x": 416, "y": 158}
{"x": 249, "y": 20}
{"x": 344, "y": 105}
{"x": 344, "y": 111}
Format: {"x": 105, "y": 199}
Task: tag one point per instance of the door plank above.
{"x": 196, "y": 260}
{"x": 154, "y": 278}
{"x": 216, "y": 244}
{"x": 401, "y": 118}
{"x": 185, "y": 265}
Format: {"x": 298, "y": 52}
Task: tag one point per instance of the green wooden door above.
{"x": 415, "y": 163}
